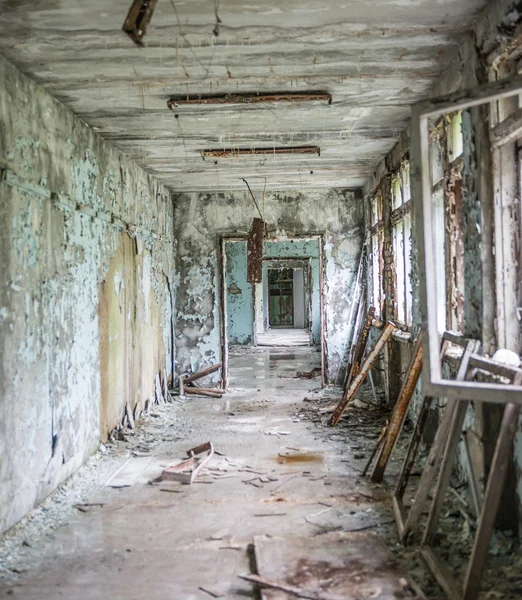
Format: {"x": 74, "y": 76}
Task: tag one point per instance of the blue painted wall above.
{"x": 240, "y": 305}
{"x": 298, "y": 249}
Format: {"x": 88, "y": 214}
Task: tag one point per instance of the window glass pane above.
{"x": 456, "y": 141}
{"x": 406, "y": 192}
{"x": 407, "y": 270}
{"x": 437, "y": 144}
{"x": 439, "y": 246}
{"x": 396, "y": 192}
{"x": 376, "y": 276}
{"x": 398, "y": 254}
{"x": 375, "y": 210}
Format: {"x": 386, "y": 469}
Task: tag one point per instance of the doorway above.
{"x": 285, "y": 308}
{"x": 281, "y": 297}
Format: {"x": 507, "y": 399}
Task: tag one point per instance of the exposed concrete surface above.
{"x": 145, "y": 542}
{"x": 200, "y": 221}
{"x": 375, "y": 57}
{"x": 85, "y": 309}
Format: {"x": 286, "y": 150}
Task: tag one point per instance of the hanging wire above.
{"x": 187, "y": 41}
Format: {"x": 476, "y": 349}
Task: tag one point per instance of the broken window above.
{"x": 506, "y": 140}
{"x": 401, "y": 240}
{"x": 468, "y": 188}
{"x": 446, "y": 147}
{"x": 377, "y": 233}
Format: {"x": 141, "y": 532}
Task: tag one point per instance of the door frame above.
{"x": 223, "y": 297}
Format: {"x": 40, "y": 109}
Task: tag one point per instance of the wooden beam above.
{"x": 507, "y": 131}
{"x": 399, "y": 411}
{"x": 201, "y": 374}
{"x": 361, "y": 376}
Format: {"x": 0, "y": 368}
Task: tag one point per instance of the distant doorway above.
{"x": 285, "y": 308}
{"x": 281, "y": 297}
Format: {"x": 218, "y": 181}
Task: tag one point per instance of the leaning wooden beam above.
{"x": 360, "y": 347}
{"x": 450, "y": 450}
{"x": 437, "y": 448}
{"x": 201, "y": 374}
{"x": 507, "y": 131}
{"x": 399, "y": 411}
{"x": 441, "y": 573}
{"x": 192, "y": 391}
{"x": 361, "y": 376}
{"x": 474, "y": 486}
{"x": 430, "y": 470}
{"x": 492, "y": 496}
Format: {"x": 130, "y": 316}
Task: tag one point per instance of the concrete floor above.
{"x": 284, "y": 337}
{"x": 148, "y": 543}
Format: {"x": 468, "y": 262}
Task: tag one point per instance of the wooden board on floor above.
{"x": 351, "y": 566}
{"x": 129, "y": 472}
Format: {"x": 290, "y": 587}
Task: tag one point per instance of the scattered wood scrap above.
{"x": 187, "y": 385}
{"x": 187, "y": 470}
{"x": 309, "y": 374}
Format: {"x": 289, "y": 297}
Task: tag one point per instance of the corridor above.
{"x": 277, "y": 474}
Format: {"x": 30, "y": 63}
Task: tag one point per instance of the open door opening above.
{"x": 285, "y": 309}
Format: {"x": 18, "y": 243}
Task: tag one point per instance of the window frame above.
{"x": 422, "y": 112}
{"x": 402, "y": 215}
{"x": 377, "y": 233}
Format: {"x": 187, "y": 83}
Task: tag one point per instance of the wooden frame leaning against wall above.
{"x": 434, "y": 383}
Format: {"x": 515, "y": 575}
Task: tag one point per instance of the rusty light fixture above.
{"x": 235, "y": 152}
{"x": 249, "y": 98}
{"x": 140, "y": 14}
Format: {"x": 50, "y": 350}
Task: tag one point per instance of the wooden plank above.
{"x": 409, "y": 461}
{"x": 474, "y": 486}
{"x": 490, "y": 365}
{"x": 491, "y": 503}
{"x": 361, "y": 376}
{"x": 508, "y": 130}
{"x": 129, "y": 472}
{"x": 357, "y": 565}
{"x": 360, "y": 347}
{"x": 430, "y": 470}
{"x": 190, "y": 391}
{"x": 399, "y": 411}
{"x": 441, "y": 574}
{"x": 201, "y": 374}
{"x": 450, "y": 450}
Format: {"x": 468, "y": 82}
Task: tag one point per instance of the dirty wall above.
{"x": 200, "y": 222}
{"x": 85, "y": 308}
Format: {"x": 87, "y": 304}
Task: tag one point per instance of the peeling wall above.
{"x": 85, "y": 312}
{"x": 201, "y": 220}
{"x": 468, "y": 69}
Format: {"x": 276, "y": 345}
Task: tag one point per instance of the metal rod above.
{"x": 253, "y": 198}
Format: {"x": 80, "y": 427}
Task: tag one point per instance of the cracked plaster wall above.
{"x": 85, "y": 311}
{"x": 201, "y": 220}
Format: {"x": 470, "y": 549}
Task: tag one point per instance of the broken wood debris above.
{"x": 187, "y": 470}
{"x": 203, "y": 373}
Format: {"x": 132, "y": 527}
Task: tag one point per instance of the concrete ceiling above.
{"x": 375, "y": 57}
